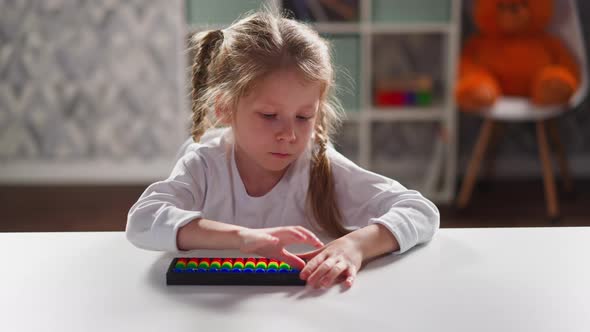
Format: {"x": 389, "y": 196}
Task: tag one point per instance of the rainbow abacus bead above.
{"x": 232, "y": 265}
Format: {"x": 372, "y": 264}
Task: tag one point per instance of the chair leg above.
{"x": 561, "y": 157}
{"x": 493, "y": 150}
{"x": 548, "y": 178}
{"x": 474, "y": 164}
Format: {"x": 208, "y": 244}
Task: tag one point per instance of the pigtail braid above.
{"x": 322, "y": 194}
{"x": 205, "y": 45}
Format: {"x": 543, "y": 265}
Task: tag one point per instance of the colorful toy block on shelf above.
{"x": 414, "y": 91}
{"x": 231, "y": 271}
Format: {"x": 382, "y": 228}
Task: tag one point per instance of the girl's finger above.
{"x": 320, "y": 271}
{"x": 328, "y": 279}
{"x": 309, "y": 255}
{"x": 291, "y": 259}
{"x": 314, "y": 259}
{"x": 291, "y": 236}
{"x": 350, "y": 276}
{"x": 296, "y": 234}
{"x": 316, "y": 242}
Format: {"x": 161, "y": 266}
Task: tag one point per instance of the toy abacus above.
{"x": 231, "y": 271}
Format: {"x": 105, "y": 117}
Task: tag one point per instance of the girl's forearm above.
{"x": 374, "y": 240}
{"x": 208, "y": 234}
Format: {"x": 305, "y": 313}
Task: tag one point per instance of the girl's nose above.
{"x": 286, "y": 132}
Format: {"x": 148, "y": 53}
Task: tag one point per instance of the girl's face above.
{"x": 274, "y": 122}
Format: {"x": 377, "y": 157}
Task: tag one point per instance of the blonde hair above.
{"x": 228, "y": 63}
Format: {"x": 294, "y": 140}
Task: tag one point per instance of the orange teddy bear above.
{"x": 514, "y": 55}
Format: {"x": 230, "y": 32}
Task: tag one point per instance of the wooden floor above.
{"x": 494, "y": 204}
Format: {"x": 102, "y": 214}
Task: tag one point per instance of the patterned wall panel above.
{"x": 90, "y": 80}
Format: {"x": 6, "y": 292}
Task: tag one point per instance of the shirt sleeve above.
{"x": 165, "y": 206}
{"x": 367, "y": 198}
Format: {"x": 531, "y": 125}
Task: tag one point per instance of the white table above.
{"x": 527, "y": 279}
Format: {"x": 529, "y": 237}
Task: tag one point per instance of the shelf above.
{"x": 337, "y": 28}
{"x": 390, "y": 28}
{"x": 346, "y": 142}
{"x": 405, "y": 113}
{"x": 396, "y": 114}
{"x": 411, "y": 10}
{"x": 352, "y": 116}
{"x": 409, "y": 28}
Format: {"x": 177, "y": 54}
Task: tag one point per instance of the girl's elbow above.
{"x": 135, "y": 232}
{"x": 433, "y": 221}
{"x": 131, "y": 233}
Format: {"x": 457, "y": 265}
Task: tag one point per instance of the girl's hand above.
{"x": 271, "y": 242}
{"x": 337, "y": 261}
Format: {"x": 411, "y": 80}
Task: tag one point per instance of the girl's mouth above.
{"x": 280, "y": 155}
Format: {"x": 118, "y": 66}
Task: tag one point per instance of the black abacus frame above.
{"x": 229, "y": 278}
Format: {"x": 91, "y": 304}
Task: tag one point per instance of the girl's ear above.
{"x": 223, "y": 114}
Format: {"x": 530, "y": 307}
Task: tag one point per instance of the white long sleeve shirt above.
{"x": 205, "y": 183}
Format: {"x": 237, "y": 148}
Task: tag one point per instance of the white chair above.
{"x": 566, "y": 25}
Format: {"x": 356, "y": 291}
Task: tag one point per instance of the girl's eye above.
{"x": 268, "y": 115}
{"x": 303, "y": 118}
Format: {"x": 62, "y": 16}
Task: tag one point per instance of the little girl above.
{"x": 269, "y": 175}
